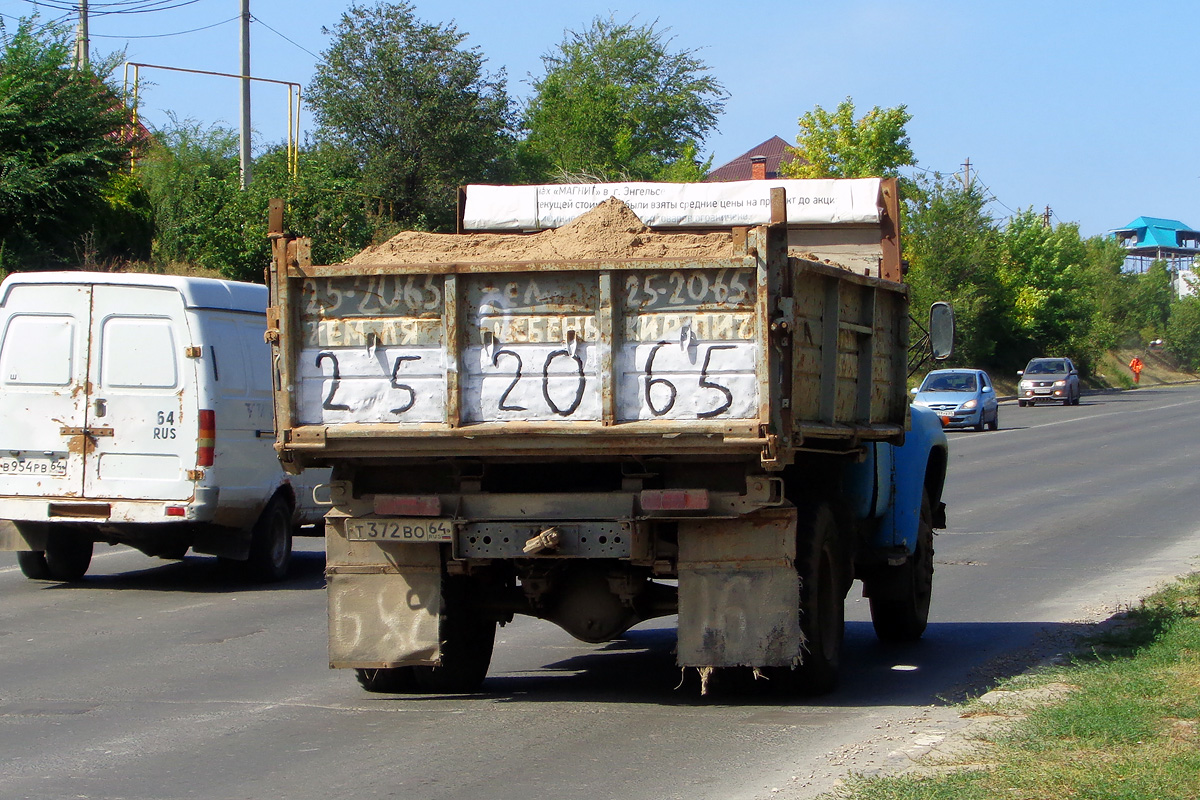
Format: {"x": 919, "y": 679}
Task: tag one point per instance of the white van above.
{"x": 137, "y": 409}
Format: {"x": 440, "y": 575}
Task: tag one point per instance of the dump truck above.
{"x": 603, "y": 404}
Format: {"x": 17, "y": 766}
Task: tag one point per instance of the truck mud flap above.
{"x": 384, "y": 602}
{"x": 739, "y": 594}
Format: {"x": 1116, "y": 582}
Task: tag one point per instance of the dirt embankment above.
{"x": 609, "y": 231}
{"x": 1158, "y": 367}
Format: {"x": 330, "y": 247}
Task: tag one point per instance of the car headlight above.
{"x": 1026, "y": 384}
{"x": 970, "y": 404}
{"x": 1059, "y": 384}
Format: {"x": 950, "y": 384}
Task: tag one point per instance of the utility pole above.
{"x": 1046, "y": 218}
{"x": 967, "y": 174}
{"x": 245, "y": 129}
{"x": 81, "y": 37}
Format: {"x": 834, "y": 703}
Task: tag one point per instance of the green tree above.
{"x": 839, "y": 146}
{"x": 61, "y": 145}
{"x": 1152, "y": 297}
{"x": 190, "y": 174}
{"x": 1183, "y": 332}
{"x": 951, "y": 243}
{"x": 617, "y": 103}
{"x": 1114, "y": 319}
{"x": 415, "y": 109}
{"x": 205, "y": 219}
{"x": 1044, "y": 270}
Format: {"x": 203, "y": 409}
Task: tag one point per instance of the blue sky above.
{"x": 1085, "y": 106}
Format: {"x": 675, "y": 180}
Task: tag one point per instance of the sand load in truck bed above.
{"x": 609, "y": 231}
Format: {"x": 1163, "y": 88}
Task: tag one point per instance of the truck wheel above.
{"x": 394, "y": 680}
{"x": 271, "y": 542}
{"x": 900, "y": 595}
{"x": 467, "y": 641}
{"x": 33, "y": 565}
{"x": 68, "y": 555}
{"x": 1021, "y": 403}
{"x": 822, "y": 601}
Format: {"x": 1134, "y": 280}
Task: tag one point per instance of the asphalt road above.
{"x": 155, "y": 679}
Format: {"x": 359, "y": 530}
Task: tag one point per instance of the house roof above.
{"x": 1158, "y": 232}
{"x": 776, "y": 150}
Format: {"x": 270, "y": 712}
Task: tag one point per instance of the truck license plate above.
{"x": 399, "y": 530}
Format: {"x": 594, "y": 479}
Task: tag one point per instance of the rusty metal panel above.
{"x": 531, "y": 351}
{"x": 848, "y": 351}
{"x": 372, "y": 349}
{"x": 739, "y": 593}
{"x": 689, "y": 344}
{"x": 383, "y": 620}
{"x": 384, "y": 601}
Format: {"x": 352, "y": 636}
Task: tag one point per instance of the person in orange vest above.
{"x": 1136, "y": 367}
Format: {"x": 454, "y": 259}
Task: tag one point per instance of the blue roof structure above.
{"x": 1149, "y": 239}
{"x": 1157, "y": 232}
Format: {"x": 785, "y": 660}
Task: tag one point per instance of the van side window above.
{"x": 138, "y": 352}
{"x": 38, "y": 351}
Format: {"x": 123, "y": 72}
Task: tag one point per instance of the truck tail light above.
{"x": 401, "y": 505}
{"x": 206, "y": 444}
{"x": 176, "y": 511}
{"x": 675, "y": 500}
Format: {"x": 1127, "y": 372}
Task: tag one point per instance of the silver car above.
{"x": 1048, "y": 380}
{"x": 963, "y": 398}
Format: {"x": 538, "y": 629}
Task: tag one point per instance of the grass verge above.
{"x": 1120, "y": 721}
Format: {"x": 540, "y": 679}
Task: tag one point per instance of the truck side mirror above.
{"x": 941, "y": 330}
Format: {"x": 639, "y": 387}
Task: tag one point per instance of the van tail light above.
{"x": 207, "y": 441}
{"x": 674, "y": 500}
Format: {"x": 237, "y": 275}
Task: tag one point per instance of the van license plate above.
{"x": 33, "y": 466}
{"x": 408, "y": 529}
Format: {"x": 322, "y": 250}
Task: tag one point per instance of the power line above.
{"x": 120, "y": 7}
{"x": 163, "y": 35}
{"x": 286, "y": 39}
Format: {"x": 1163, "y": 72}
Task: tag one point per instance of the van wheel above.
{"x": 900, "y": 595}
{"x": 822, "y": 605}
{"x": 393, "y": 680}
{"x": 271, "y": 543}
{"x": 68, "y": 555}
{"x": 33, "y": 565}
{"x": 467, "y": 638}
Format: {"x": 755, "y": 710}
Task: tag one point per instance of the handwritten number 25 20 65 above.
{"x": 329, "y": 404}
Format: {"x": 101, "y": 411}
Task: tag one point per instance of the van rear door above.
{"x": 143, "y": 414}
{"x": 43, "y": 378}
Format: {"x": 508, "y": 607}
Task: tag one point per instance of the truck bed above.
{"x": 743, "y": 350}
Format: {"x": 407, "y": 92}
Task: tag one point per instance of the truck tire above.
{"x": 468, "y": 637}
{"x": 900, "y": 595}
{"x": 271, "y": 543}
{"x": 33, "y": 565}
{"x": 68, "y": 555}
{"x": 822, "y": 600}
{"x": 392, "y": 680}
